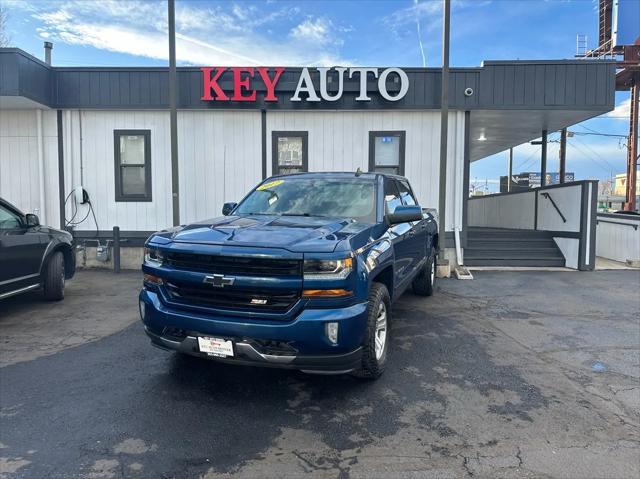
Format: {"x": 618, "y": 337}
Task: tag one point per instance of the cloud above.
{"x": 205, "y": 35}
{"x": 318, "y": 31}
{"x": 621, "y": 111}
{"x": 416, "y": 12}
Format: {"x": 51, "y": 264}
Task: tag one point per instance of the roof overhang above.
{"x": 8, "y": 102}
{"x": 493, "y": 131}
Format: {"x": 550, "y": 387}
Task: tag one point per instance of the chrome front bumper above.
{"x": 247, "y": 354}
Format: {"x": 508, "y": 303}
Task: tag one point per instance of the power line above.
{"x": 533, "y": 160}
{"x": 527, "y": 160}
{"x": 588, "y": 157}
{"x": 588, "y": 129}
{"x": 581, "y": 133}
{"x": 596, "y": 154}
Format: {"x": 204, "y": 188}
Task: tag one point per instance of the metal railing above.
{"x": 548, "y": 196}
{"x": 635, "y": 227}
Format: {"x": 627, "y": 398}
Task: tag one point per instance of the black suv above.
{"x": 32, "y": 255}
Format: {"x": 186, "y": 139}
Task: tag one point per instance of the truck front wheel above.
{"x": 376, "y": 345}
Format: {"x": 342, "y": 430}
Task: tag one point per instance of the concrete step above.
{"x": 511, "y": 247}
{"x": 500, "y": 243}
{"x": 529, "y": 253}
{"x": 535, "y": 262}
{"x": 495, "y": 233}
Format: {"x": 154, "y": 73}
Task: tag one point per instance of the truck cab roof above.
{"x": 340, "y": 174}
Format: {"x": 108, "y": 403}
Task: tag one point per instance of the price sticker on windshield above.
{"x": 270, "y": 184}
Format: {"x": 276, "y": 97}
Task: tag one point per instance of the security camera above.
{"x": 468, "y": 91}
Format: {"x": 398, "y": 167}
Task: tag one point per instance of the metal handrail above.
{"x": 635, "y": 227}
{"x": 548, "y": 196}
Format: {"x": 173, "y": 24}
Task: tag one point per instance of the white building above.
{"x": 107, "y": 130}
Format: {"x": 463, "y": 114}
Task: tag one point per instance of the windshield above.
{"x": 291, "y": 196}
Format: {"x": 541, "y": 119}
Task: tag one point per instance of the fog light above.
{"x": 143, "y": 309}
{"x": 331, "y": 330}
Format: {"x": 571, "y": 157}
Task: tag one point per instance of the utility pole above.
{"x": 632, "y": 151}
{"x": 563, "y": 155}
{"x": 444, "y": 124}
{"x": 543, "y": 160}
{"x": 173, "y": 114}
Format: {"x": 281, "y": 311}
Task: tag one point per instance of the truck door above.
{"x": 417, "y": 238}
{"x": 398, "y": 234}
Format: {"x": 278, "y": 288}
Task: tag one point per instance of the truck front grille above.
{"x": 235, "y": 265}
{"x": 274, "y": 301}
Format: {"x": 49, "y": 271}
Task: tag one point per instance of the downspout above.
{"x": 456, "y": 194}
{"x": 40, "y": 140}
{"x": 456, "y": 231}
{"x": 461, "y": 174}
{"x": 80, "y": 112}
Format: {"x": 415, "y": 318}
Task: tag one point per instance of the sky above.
{"x": 401, "y": 33}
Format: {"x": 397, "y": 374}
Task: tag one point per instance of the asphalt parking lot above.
{"x": 514, "y": 374}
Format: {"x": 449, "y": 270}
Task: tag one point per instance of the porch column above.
{"x": 543, "y": 160}
{"x": 510, "y": 172}
{"x": 563, "y": 155}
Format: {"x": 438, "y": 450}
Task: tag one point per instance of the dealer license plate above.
{"x": 220, "y": 348}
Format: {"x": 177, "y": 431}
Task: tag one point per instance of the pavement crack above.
{"x": 465, "y": 465}
{"x": 519, "y": 457}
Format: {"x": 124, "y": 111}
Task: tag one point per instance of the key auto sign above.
{"x": 306, "y": 89}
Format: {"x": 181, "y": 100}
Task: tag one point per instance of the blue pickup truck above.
{"x": 301, "y": 274}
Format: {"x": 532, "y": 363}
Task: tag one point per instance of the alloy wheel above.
{"x": 381, "y": 329}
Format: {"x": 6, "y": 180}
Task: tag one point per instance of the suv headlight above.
{"x": 327, "y": 268}
{"x": 153, "y": 257}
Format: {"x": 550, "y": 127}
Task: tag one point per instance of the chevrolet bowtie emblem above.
{"x": 218, "y": 280}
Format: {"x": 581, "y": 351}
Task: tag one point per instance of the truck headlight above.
{"x": 153, "y": 257}
{"x": 327, "y": 268}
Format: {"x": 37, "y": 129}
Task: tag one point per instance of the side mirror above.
{"x": 32, "y": 220}
{"x": 228, "y": 208}
{"x": 405, "y": 214}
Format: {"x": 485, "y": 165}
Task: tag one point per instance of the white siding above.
{"x": 503, "y": 211}
{"x": 89, "y": 161}
{"x": 19, "y": 175}
{"x": 617, "y": 238}
{"x": 219, "y": 160}
{"x": 339, "y": 141}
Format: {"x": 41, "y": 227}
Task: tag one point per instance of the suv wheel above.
{"x": 54, "y": 277}
{"x": 376, "y": 345}
{"x": 423, "y": 283}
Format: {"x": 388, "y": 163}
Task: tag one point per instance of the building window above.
{"x": 289, "y": 152}
{"x": 132, "y": 150}
{"x": 386, "y": 151}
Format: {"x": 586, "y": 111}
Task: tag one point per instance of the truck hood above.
{"x": 294, "y": 233}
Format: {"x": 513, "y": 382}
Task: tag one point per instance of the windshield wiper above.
{"x": 300, "y": 214}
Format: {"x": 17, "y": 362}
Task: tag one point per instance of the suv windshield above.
{"x": 291, "y": 196}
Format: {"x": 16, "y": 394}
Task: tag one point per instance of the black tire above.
{"x": 54, "y": 277}
{"x": 372, "y": 364}
{"x": 423, "y": 284}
